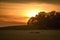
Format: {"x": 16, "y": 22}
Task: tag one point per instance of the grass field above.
{"x": 29, "y": 34}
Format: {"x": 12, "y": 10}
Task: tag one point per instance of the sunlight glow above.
{"x": 32, "y": 13}
{"x": 22, "y": 12}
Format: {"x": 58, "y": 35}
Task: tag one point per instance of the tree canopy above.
{"x": 50, "y": 20}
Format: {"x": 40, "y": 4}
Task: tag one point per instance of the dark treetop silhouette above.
{"x": 43, "y": 20}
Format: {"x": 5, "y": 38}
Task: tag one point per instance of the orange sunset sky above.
{"x": 20, "y": 12}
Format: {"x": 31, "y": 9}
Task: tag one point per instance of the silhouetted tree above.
{"x": 44, "y": 21}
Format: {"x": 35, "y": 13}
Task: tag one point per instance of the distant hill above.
{"x": 25, "y": 27}
{"x": 19, "y": 27}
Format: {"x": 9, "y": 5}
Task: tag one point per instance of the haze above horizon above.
{"x": 21, "y": 10}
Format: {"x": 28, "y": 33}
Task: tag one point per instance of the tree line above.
{"x": 50, "y": 20}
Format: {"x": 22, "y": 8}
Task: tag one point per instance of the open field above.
{"x": 29, "y": 34}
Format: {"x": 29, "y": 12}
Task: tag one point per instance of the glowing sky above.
{"x": 21, "y": 10}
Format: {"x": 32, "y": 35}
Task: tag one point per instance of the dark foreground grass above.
{"x": 29, "y": 34}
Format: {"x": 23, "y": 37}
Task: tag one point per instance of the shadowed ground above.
{"x": 29, "y": 34}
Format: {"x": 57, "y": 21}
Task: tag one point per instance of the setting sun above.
{"x": 32, "y": 13}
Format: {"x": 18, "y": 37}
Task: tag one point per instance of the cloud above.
{"x": 29, "y": 1}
